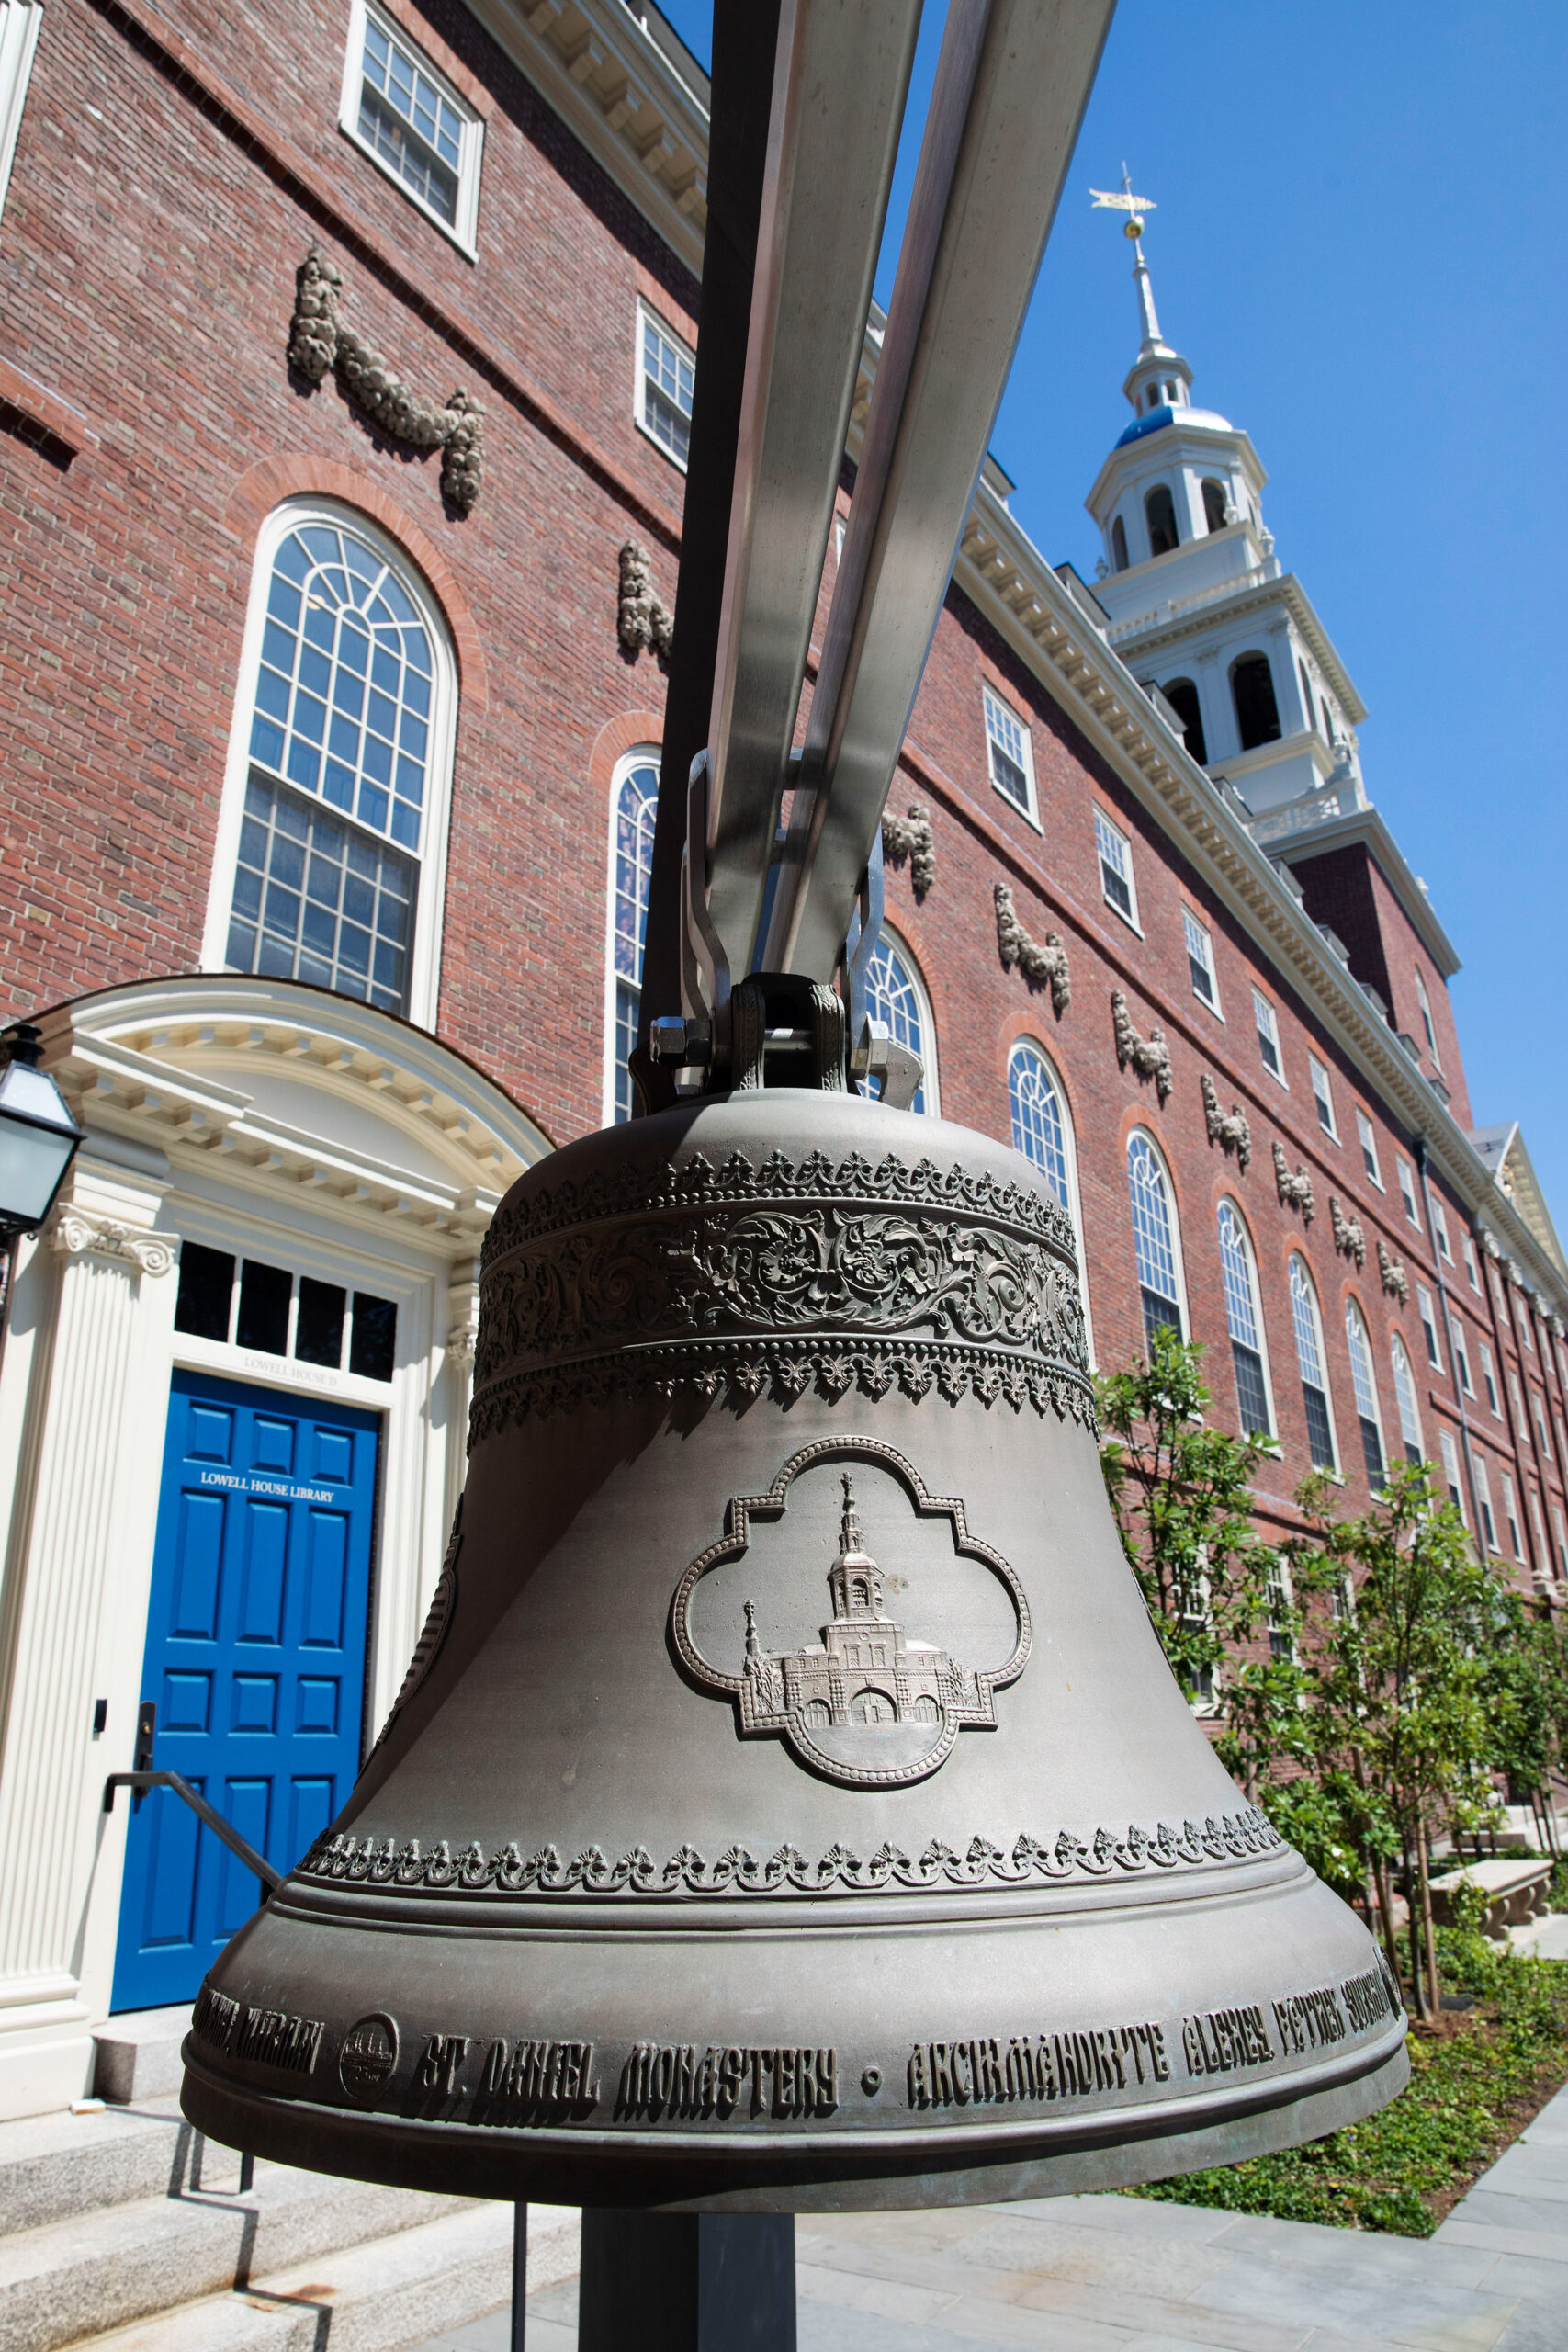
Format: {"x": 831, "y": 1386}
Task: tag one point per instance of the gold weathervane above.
{"x": 1122, "y": 200}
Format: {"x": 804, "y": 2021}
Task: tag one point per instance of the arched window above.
{"x": 1182, "y": 696}
{"x": 1119, "y": 544}
{"x": 1366, "y": 1390}
{"x": 1154, "y": 1239}
{"x": 633, "y": 800}
{"x": 1308, "y": 1326}
{"x": 895, "y": 1000}
{"x": 1257, "y": 712}
{"x": 1042, "y": 1132}
{"x": 1404, "y": 1390}
{"x": 1159, "y": 512}
{"x": 332, "y": 838}
{"x": 1214, "y": 505}
{"x": 1244, "y": 1314}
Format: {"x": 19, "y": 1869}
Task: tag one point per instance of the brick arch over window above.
{"x": 266, "y": 484}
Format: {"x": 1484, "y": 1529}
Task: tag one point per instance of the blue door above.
{"x": 255, "y": 1661}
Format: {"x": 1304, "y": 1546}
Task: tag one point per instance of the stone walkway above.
{"x": 1120, "y": 2274}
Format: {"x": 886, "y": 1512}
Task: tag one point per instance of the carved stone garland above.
{"x": 643, "y": 622}
{"x": 1240, "y": 1838}
{"x": 1349, "y": 1237}
{"x": 1394, "y": 1279}
{"x": 910, "y": 837}
{"x": 1043, "y": 964}
{"x": 733, "y": 1280}
{"x": 320, "y": 341}
{"x": 1295, "y": 1192}
{"x": 1150, "y": 1057}
{"x": 1229, "y": 1130}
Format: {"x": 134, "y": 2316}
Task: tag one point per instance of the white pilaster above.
{"x": 95, "y": 1302}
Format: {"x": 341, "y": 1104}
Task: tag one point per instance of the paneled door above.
{"x": 255, "y": 1661}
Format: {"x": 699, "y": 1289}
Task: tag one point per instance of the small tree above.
{"x": 1524, "y": 1682}
{"x": 1181, "y": 1493}
{"x": 1397, "y": 1689}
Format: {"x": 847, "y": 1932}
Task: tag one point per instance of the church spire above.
{"x": 849, "y": 1526}
{"x": 1159, "y": 376}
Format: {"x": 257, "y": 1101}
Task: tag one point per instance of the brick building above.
{"x": 332, "y": 703}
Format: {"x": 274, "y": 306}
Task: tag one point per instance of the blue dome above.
{"x": 1156, "y": 421}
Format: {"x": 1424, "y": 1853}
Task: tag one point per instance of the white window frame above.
{"x": 1426, "y": 1309}
{"x": 1408, "y": 1189}
{"x": 1178, "y": 1259}
{"x": 1562, "y": 1535}
{"x": 424, "y": 962}
{"x": 1424, "y": 1001}
{"x": 1543, "y": 1550}
{"x": 20, "y": 23}
{"x": 463, "y": 231}
{"x": 1522, "y": 1318}
{"x": 1440, "y": 1229}
{"x": 991, "y": 701}
{"x": 640, "y": 755}
{"x": 1470, "y": 1268}
{"x": 1520, "y": 1417}
{"x": 1029, "y": 1043}
{"x": 930, "y": 1083}
{"x": 1459, "y": 1345}
{"x": 1511, "y": 1513}
{"x": 1324, "y": 1386}
{"x": 1109, "y": 840}
{"x": 1265, "y": 1021}
{"x": 1483, "y": 1500}
{"x": 1368, "y": 1135}
{"x": 1489, "y": 1374}
{"x": 647, "y": 315}
{"x": 1249, "y": 1257}
{"x": 1370, "y": 1365}
{"x": 1193, "y": 926}
{"x": 1405, "y": 1391}
{"x": 1323, "y": 1095}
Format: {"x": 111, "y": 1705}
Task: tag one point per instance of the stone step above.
{"x": 82, "y": 2276}
{"x": 139, "y": 2055}
{"x": 52, "y": 2166}
{"x": 388, "y": 2295}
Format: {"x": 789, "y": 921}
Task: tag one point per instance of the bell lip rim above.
{"x": 1096, "y": 2127}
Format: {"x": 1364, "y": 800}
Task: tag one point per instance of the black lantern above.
{"x": 38, "y": 1136}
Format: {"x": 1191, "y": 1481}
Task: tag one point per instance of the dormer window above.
{"x": 1159, "y": 509}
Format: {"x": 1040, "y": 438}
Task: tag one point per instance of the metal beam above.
{"x": 840, "y": 86}
{"x": 1012, "y": 82}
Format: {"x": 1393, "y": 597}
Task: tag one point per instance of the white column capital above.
{"x": 75, "y": 1232}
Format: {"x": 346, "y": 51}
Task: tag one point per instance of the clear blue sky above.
{"x": 1357, "y": 246}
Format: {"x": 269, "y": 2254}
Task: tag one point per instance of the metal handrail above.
{"x": 200, "y": 1806}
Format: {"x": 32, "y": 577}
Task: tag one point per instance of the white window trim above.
{"x": 1327, "y": 1388}
{"x": 1489, "y": 1377}
{"x": 1178, "y": 1258}
{"x": 1470, "y": 1268}
{"x": 1431, "y": 1329}
{"x": 930, "y": 1081}
{"x": 463, "y": 231}
{"x": 1320, "y": 1070}
{"x": 1103, "y": 817}
{"x": 424, "y": 962}
{"x": 1458, "y": 1347}
{"x": 1261, "y": 1004}
{"x": 1453, "y": 1475}
{"x": 1367, "y": 1137}
{"x": 640, "y": 755}
{"x": 1372, "y": 1361}
{"x": 1397, "y": 1346}
{"x": 20, "y": 24}
{"x": 640, "y": 384}
{"x": 1069, "y": 1135}
{"x": 1250, "y": 1254}
{"x": 1407, "y": 1175}
{"x": 1032, "y": 814}
{"x": 1209, "y": 1004}
{"x": 1440, "y": 1233}
{"x": 1511, "y": 1513}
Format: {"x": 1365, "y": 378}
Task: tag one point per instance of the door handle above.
{"x": 146, "y": 1731}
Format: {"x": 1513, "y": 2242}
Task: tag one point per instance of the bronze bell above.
{"x": 789, "y": 1805}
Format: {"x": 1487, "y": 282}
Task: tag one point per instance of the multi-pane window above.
{"x": 636, "y": 801}
{"x": 1538, "y": 1408}
{"x": 412, "y": 120}
{"x": 1489, "y": 1374}
{"x": 1407, "y": 1191}
{"x": 1429, "y": 1325}
{"x": 892, "y": 998}
{"x": 1276, "y": 1601}
{"x": 1011, "y": 752}
{"x": 1511, "y": 1513}
{"x": 1404, "y": 1391}
{"x": 666, "y": 373}
{"x": 1461, "y": 1353}
{"x": 1368, "y": 1148}
{"x": 1450, "y": 1473}
{"x": 1309, "y": 1359}
{"x": 1201, "y": 959}
{"x": 1440, "y": 1227}
{"x": 340, "y": 765}
{"x": 1323, "y": 1095}
{"x": 270, "y": 1311}
{"x": 1483, "y": 1497}
{"x": 1521, "y": 1427}
{"x": 1039, "y": 1130}
{"x": 1522, "y": 1313}
{"x": 1243, "y": 1316}
{"x": 1562, "y": 1534}
{"x": 1115, "y": 868}
{"x": 1267, "y": 1034}
{"x": 1425, "y": 1003}
{"x": 1365, "y": 1386}
{"x": 1153, "y": 1240}
{"x": 1544, "y": 1557}
{"x": 1470, "y": 1268}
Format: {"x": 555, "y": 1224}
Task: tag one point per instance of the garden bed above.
{"x": 1475, "y": 2081}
